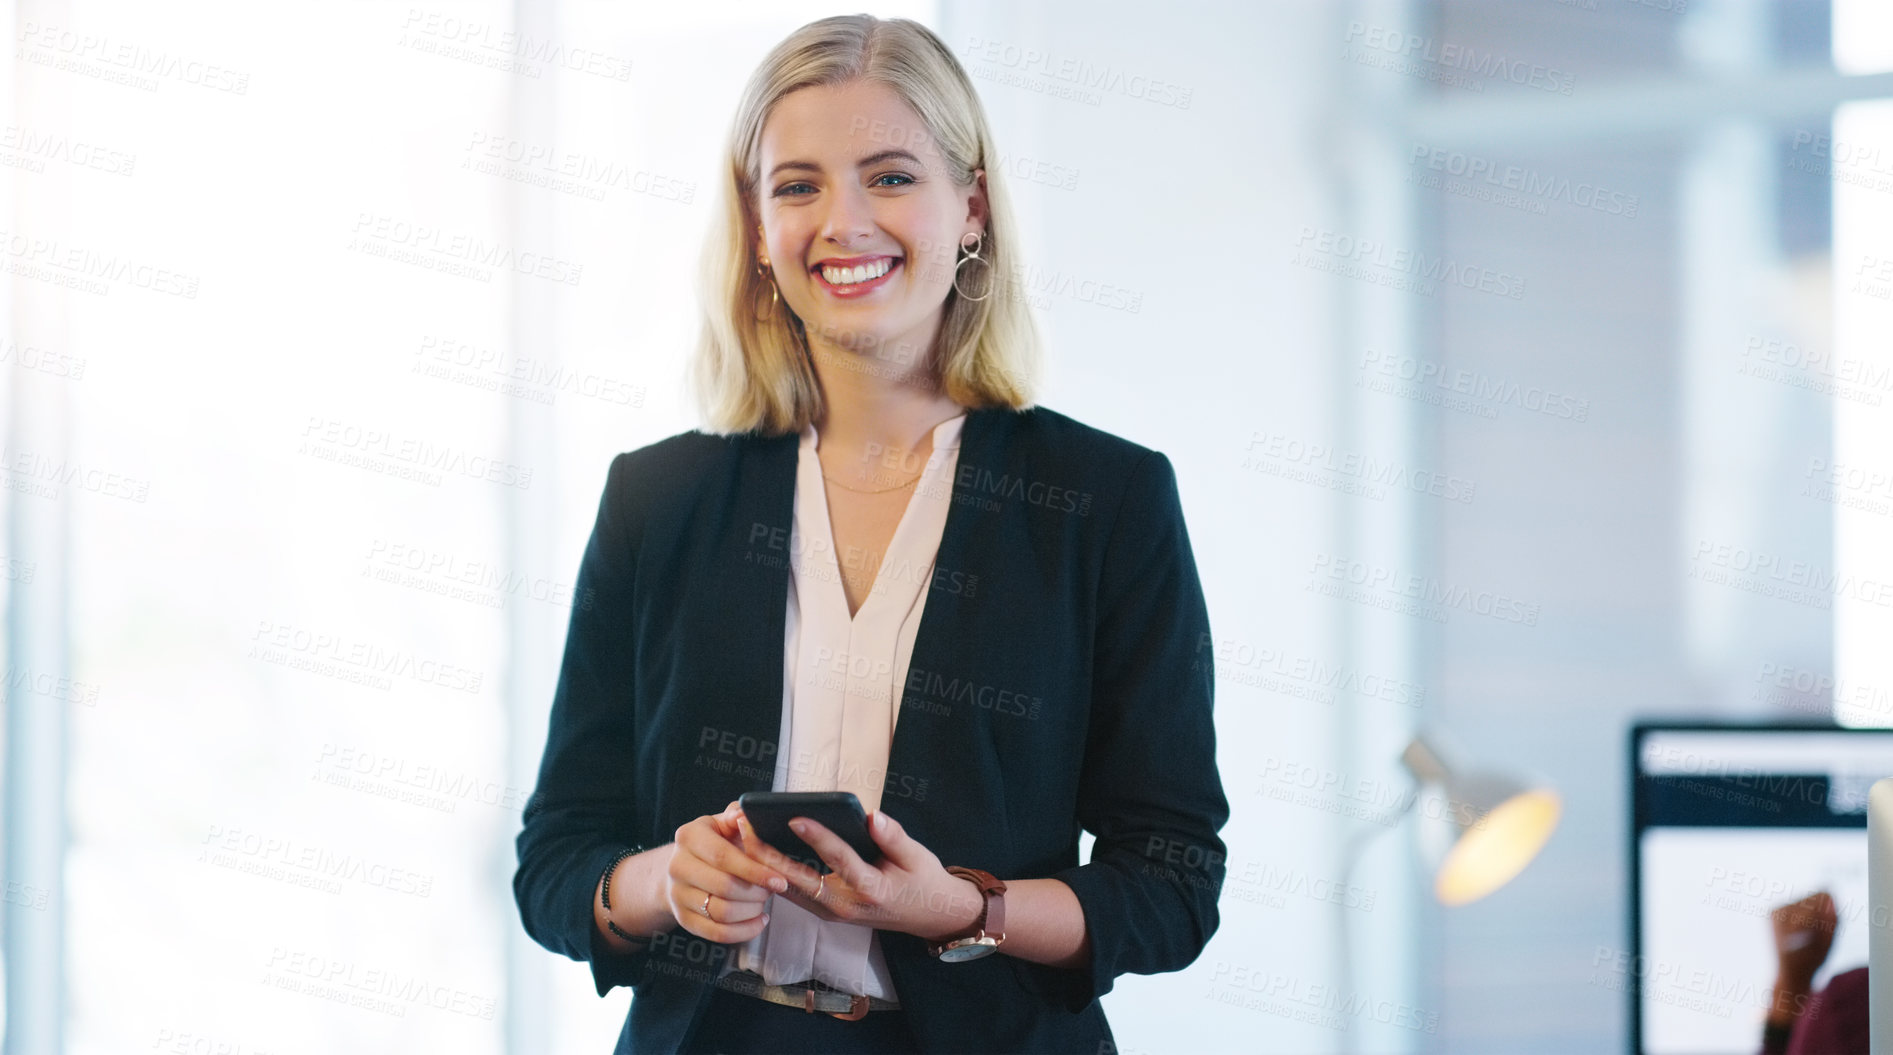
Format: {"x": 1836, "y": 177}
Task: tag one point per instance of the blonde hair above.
{"x": 752, "y": 369}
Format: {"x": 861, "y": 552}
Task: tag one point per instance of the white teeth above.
{"x": 851, "y": 276}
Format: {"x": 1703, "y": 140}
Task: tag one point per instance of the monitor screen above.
{"x": 1730, "y": 823}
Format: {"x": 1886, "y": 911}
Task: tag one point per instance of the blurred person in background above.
{"x": 1801, "y": 1021}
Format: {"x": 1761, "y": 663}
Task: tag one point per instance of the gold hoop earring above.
{"x": 775, "y": 296}
{"x": 763, "y": 272}
{"x": 979, "y": 243}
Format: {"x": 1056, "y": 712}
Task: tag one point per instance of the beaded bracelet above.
{"x": 604, "y": 893}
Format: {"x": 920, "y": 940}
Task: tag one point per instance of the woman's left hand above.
{"x": 909, "y": 891}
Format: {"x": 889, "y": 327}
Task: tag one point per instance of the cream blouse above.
{"x": 839, "y": 698}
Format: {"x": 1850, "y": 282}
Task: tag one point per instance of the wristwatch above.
{"x": 983, "y": 938}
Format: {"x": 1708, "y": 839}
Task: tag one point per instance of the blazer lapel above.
{"x": 735, "y": 617}
{"x": 924, "y": 751}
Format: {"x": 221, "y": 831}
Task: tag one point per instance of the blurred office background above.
{"x": 1524, "y": 365}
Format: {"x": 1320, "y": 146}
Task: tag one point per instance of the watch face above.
{"x": 972, "y": 950}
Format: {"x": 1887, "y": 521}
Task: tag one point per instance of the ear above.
{"x": 977, "y": 213}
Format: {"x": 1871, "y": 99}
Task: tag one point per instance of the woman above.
{"x": 877, "y": 506}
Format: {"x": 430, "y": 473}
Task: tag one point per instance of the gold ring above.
{"x": 818, "y": 885}
{"x": 706, "y": 906}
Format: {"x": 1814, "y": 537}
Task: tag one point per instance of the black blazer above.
{"x": 1061, "y": 677}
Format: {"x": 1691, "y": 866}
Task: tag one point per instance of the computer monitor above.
{"x": 1729, "y": 822}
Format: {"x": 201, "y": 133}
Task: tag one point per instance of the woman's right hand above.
{"x": 709, "y": 859}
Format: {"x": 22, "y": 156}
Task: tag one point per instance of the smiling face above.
{"x": 861, "y": 222}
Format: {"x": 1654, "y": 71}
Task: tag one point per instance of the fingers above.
{"x": 697, "y": 874}
{"x": 800, "y": 876}
{"x": 691, "y": 901}
{"x": 725, "y": 822}
{"x": 807, "y": 902}
{"x": 901, "y": 848}
{"x": 712, "y": 862}
{"x": 1805, "y": 908}
{"x": 833, "y": 905}
{"x": 837, "y": 853}
{"x": 708, "y": 863}
{"x": 686, "y": 904}
{"x": 723, "y": 910}
{"x": 804, "y": 882}
{"x": 1815, "y": 910}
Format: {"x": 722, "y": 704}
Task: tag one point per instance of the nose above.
{"x": 849, "y": 217}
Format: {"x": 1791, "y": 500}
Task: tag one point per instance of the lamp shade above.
{"x": 1477, "y": 830}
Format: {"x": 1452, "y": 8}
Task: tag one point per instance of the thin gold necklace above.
{"x": 880, "y": 491}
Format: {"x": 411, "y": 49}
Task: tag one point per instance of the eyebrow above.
{"x": 871, "y": 159}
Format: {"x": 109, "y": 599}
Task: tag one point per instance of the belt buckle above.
{"x": 857, "y": 1006}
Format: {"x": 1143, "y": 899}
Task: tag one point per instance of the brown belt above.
{"x": 810, "y": 996}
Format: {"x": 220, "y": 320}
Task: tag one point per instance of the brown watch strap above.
{"x": 992, "y": 918}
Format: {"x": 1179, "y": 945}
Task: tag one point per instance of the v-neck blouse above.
{"x": 839, "y": 698}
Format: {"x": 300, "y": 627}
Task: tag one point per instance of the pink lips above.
{"x": 862, "y": 289}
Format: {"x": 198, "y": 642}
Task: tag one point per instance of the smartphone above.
{"x": 840, "y": 812}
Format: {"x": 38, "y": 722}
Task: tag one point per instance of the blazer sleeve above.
{"x": 1149, "y": 790}
{"x": 581, "y": 811}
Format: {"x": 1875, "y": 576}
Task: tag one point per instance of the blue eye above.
{"x": 788, "y": 190}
